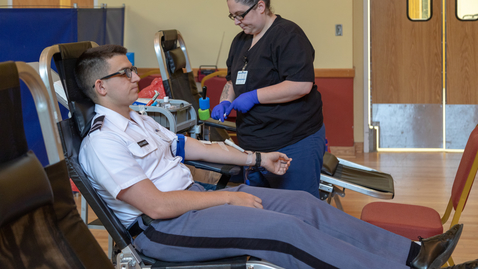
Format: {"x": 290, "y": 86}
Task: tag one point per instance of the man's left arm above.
{"x": 274, "y": 162}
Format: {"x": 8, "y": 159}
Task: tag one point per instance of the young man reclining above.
{"x": 135, "y": 165}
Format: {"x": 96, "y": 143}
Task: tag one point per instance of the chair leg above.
{"x": 450, "y": 262}
{"x": 338, "y": 203}
{"x": 336, "y": 194}
{"x": 84, "y": 210}
{"x": 110, "y": 247}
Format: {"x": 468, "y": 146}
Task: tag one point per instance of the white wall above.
{"x": 203, "y": 23}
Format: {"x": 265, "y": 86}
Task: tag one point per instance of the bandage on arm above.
{"x": 250, "y": 155}
{"x": 221, "y": 144}
{"x": 250, "y": 158}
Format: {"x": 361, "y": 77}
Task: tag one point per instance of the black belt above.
{"x": 136, "y": 229}
{"x": 188, "y": 187}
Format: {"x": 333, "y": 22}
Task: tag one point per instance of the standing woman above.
{"x": 270, "y": 83}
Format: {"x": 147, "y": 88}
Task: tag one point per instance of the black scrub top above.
{"x": 283, "y": 53}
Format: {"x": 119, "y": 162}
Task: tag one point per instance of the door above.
{"x": 424, "y": 72}
{"x": 461, "y": 71}
{"x": 406, "y": 74}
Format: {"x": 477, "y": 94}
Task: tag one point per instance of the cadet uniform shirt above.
{"x": 118, "y": 153}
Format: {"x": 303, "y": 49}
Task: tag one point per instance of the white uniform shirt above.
{"x": 124, "y": 152}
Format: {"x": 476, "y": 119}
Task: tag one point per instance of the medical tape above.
{"x": 250, "y": 158}
{"x": 221, "y": 144}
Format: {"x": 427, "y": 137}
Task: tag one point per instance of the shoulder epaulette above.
{"x": 97, "y": 124}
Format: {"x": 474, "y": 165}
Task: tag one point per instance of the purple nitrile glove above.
{"x": 244, "y": 102}
{"x": 219, "y": 110}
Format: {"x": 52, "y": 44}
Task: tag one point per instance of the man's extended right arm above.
{"x": 164, "y": 205}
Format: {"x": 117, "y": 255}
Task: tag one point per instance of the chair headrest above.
{"x": 169, "y": 39}
{"x": 73, "y": 50}
{"x": 65, "y": 62}
{"x": 176, "y": 60}
{"x": 24, "y": 187}
{"x": 81, "y": 106}
{"x": 11, "y": 78}
{"x": 12, "y": 142}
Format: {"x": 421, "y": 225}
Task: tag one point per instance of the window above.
{"x": 419, "y": 10}
{"x": 467, "y": 10}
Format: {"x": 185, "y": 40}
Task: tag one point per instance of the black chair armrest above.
{"x": 226, "y": 125}
{"x": 330, "y": 164}
{"x": 225, "y": 169}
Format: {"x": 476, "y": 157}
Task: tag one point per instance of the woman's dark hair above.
{"x": 252, "y": 2}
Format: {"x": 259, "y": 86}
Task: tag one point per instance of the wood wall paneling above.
{"x": 51, "y": 3}
{"x": 319, "y": 72}
{"x": 83, "y": 3}
{"x": 36, "y": 3}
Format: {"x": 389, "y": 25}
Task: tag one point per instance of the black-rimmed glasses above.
{"x": 128, "y": 71}
{"x": 241, "y": 17}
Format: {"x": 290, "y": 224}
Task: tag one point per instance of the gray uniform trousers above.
{"x": 294, "y": 230}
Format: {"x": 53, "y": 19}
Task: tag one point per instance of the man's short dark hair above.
{"x": 92, "y": 65}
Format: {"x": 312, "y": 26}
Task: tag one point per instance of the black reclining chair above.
{"x": 72, "y": 132}
{"x": 179, "y": 83}
{"x": 39, "y": 223}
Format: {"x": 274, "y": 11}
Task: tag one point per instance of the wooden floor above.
{"x": 419, "y": 178}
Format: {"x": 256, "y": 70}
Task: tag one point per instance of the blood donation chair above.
{"x": 73, "y": 130}
{"x": 39, "y": 223}
{"x": 178, "y": 80}
{"x": 337, "y": 174}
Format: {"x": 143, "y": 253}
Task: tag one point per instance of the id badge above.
{"x": 241, "y": 78}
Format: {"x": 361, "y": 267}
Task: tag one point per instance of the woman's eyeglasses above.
{"x": 241, "y": 17}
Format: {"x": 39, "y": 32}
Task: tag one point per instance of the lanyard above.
{"x": 242, "y": 75}
{"x": 245, "y": 63}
